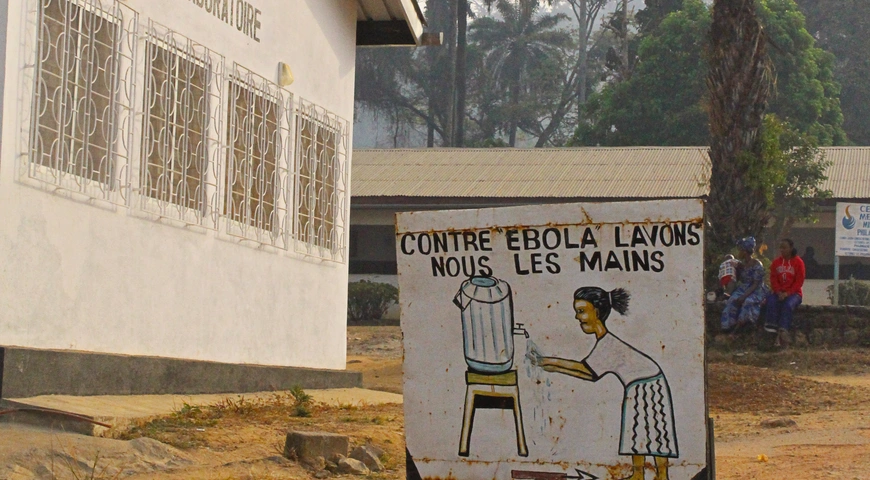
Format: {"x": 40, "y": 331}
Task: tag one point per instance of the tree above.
{"x": 843, "y": 28}
{"x": 663, "y": 102}
{"x": 586, "y": 13}
{"x": 799, "y": 167}
{"x": 448, "y": 96}
{"x": 413, "y": 87}
{"x": 514, "y": 47}
{"x": 655, "y": 11}
{"x": 804, "y": 73}
{"x": 461, "y": 81}
{"x": 739, "y": 85}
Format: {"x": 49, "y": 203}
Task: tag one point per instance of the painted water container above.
{"x": 487, "y": 324}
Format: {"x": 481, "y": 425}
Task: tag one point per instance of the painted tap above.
{"x": 519, "y": 330}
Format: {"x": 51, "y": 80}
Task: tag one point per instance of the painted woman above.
{"x": 647, "y": 410}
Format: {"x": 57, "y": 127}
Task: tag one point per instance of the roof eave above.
{"x": 403, "y": 32}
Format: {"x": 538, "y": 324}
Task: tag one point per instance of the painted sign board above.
{"x": 554, "y": 341}
{"x": 852, "y": 230}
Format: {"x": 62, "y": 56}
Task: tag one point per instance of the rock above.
{"x": 16, "y": 472}
{"x": 332, "y": 463}
{"x": 367, "y": 456}
{"x": 376, "y": 450}
{"x": 307, "y": 446}
{"x": 781, "y": 422}
{"x": 279, "y": 460}
{"x": 322, "y": 474}
{"x": 352, "y": 466}
{"x": 315, "y": 464}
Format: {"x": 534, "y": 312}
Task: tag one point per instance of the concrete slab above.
{"x": 140, "y": 406}
{"x": 120, "y": 410}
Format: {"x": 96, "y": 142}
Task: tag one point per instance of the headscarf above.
{"x": 747, "y": 244}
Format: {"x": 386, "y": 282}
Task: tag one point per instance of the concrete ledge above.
{"x": 26, "y": 372}
{"x": 16, "y": 412}
{"x": 840, "y": 325}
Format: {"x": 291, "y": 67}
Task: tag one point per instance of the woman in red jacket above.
{"x": 787, "y": 275}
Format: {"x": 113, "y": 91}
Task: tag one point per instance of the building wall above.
{"x": 89, "y": 275}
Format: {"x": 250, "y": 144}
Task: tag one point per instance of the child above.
{"x": 727, "y": 274}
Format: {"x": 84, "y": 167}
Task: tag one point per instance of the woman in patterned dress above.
{"x": 647, "y": 410}
{"x": 744, "y": 306}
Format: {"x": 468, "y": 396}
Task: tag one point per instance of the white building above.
{"x": 174, "y": 174}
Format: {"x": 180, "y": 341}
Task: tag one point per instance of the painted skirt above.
{"x": 648, "y": 419}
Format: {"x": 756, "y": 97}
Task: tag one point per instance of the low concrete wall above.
{"x": 841, "y": 325}
{"x": 31, "y": 372}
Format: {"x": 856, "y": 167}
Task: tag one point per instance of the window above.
{"x": 257, "y": 170}
{"x": 175, "y": 176}
{"x": 75, "y": 107}
{"x": 321, "y": 180}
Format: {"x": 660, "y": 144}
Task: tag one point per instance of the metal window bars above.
{"x": 321, "y": 184}
{"x": 83, "y": 91}
{"x": 215, "y": 142}
{"x": 181, "y": 142}
{"x": 257, "y": 168}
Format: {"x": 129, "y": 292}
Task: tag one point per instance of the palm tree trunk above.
{"x": 625, "y": 38}
{"x": 515, "y": 101}
{"x": 739, "y": 85}
{"x": 461, "y": 43}
{"x": 583, "y": 60}
{"x": 450, "y": 35}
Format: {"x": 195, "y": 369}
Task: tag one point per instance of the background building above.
{"x": 389, "y": 181}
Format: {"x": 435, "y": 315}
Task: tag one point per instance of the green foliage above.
{"x": 656, "y": 10}
{"x": 663, "y": 102}
{"x": 796, "y": 170}
{"x": 843, "y": 29}
{"x": 852, "y": 292}
{"x": 369, "y": 300}
{"x": 807, "y": 96}
{"x": 303, "y": 402}
{"x": 299, "y": 394}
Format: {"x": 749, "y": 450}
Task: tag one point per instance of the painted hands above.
{"x": 533, "y": 354}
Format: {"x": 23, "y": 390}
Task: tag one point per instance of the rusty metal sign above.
{"x": 554, "y": 342}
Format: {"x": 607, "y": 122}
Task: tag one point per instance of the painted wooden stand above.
{"x": 497, "y": 391}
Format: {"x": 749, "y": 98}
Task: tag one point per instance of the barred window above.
{"x": 317, "y": 204}
{"x": 321, "y": 181}
{"x": 75, "y": 112}
{"x": 175, "y": 157}
{"x": 257, "y": 170}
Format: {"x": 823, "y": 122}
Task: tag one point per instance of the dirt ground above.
{"x": 826, "y": 393}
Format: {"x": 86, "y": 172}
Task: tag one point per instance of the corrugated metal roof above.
{"x": 849, "y": 174}
{"x": 613, "y": 172}
{"x": 639, "y": 172}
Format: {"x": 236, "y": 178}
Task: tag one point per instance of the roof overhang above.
{"x": 389, "y": 23}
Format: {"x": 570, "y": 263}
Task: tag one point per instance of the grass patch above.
{"x": 184, "y": 428}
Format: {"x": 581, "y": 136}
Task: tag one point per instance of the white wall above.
{"x": 74, "y": 275}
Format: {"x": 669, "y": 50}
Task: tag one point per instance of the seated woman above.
{"x": 744, "y": 306}
{"x": 787, "y": 274}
